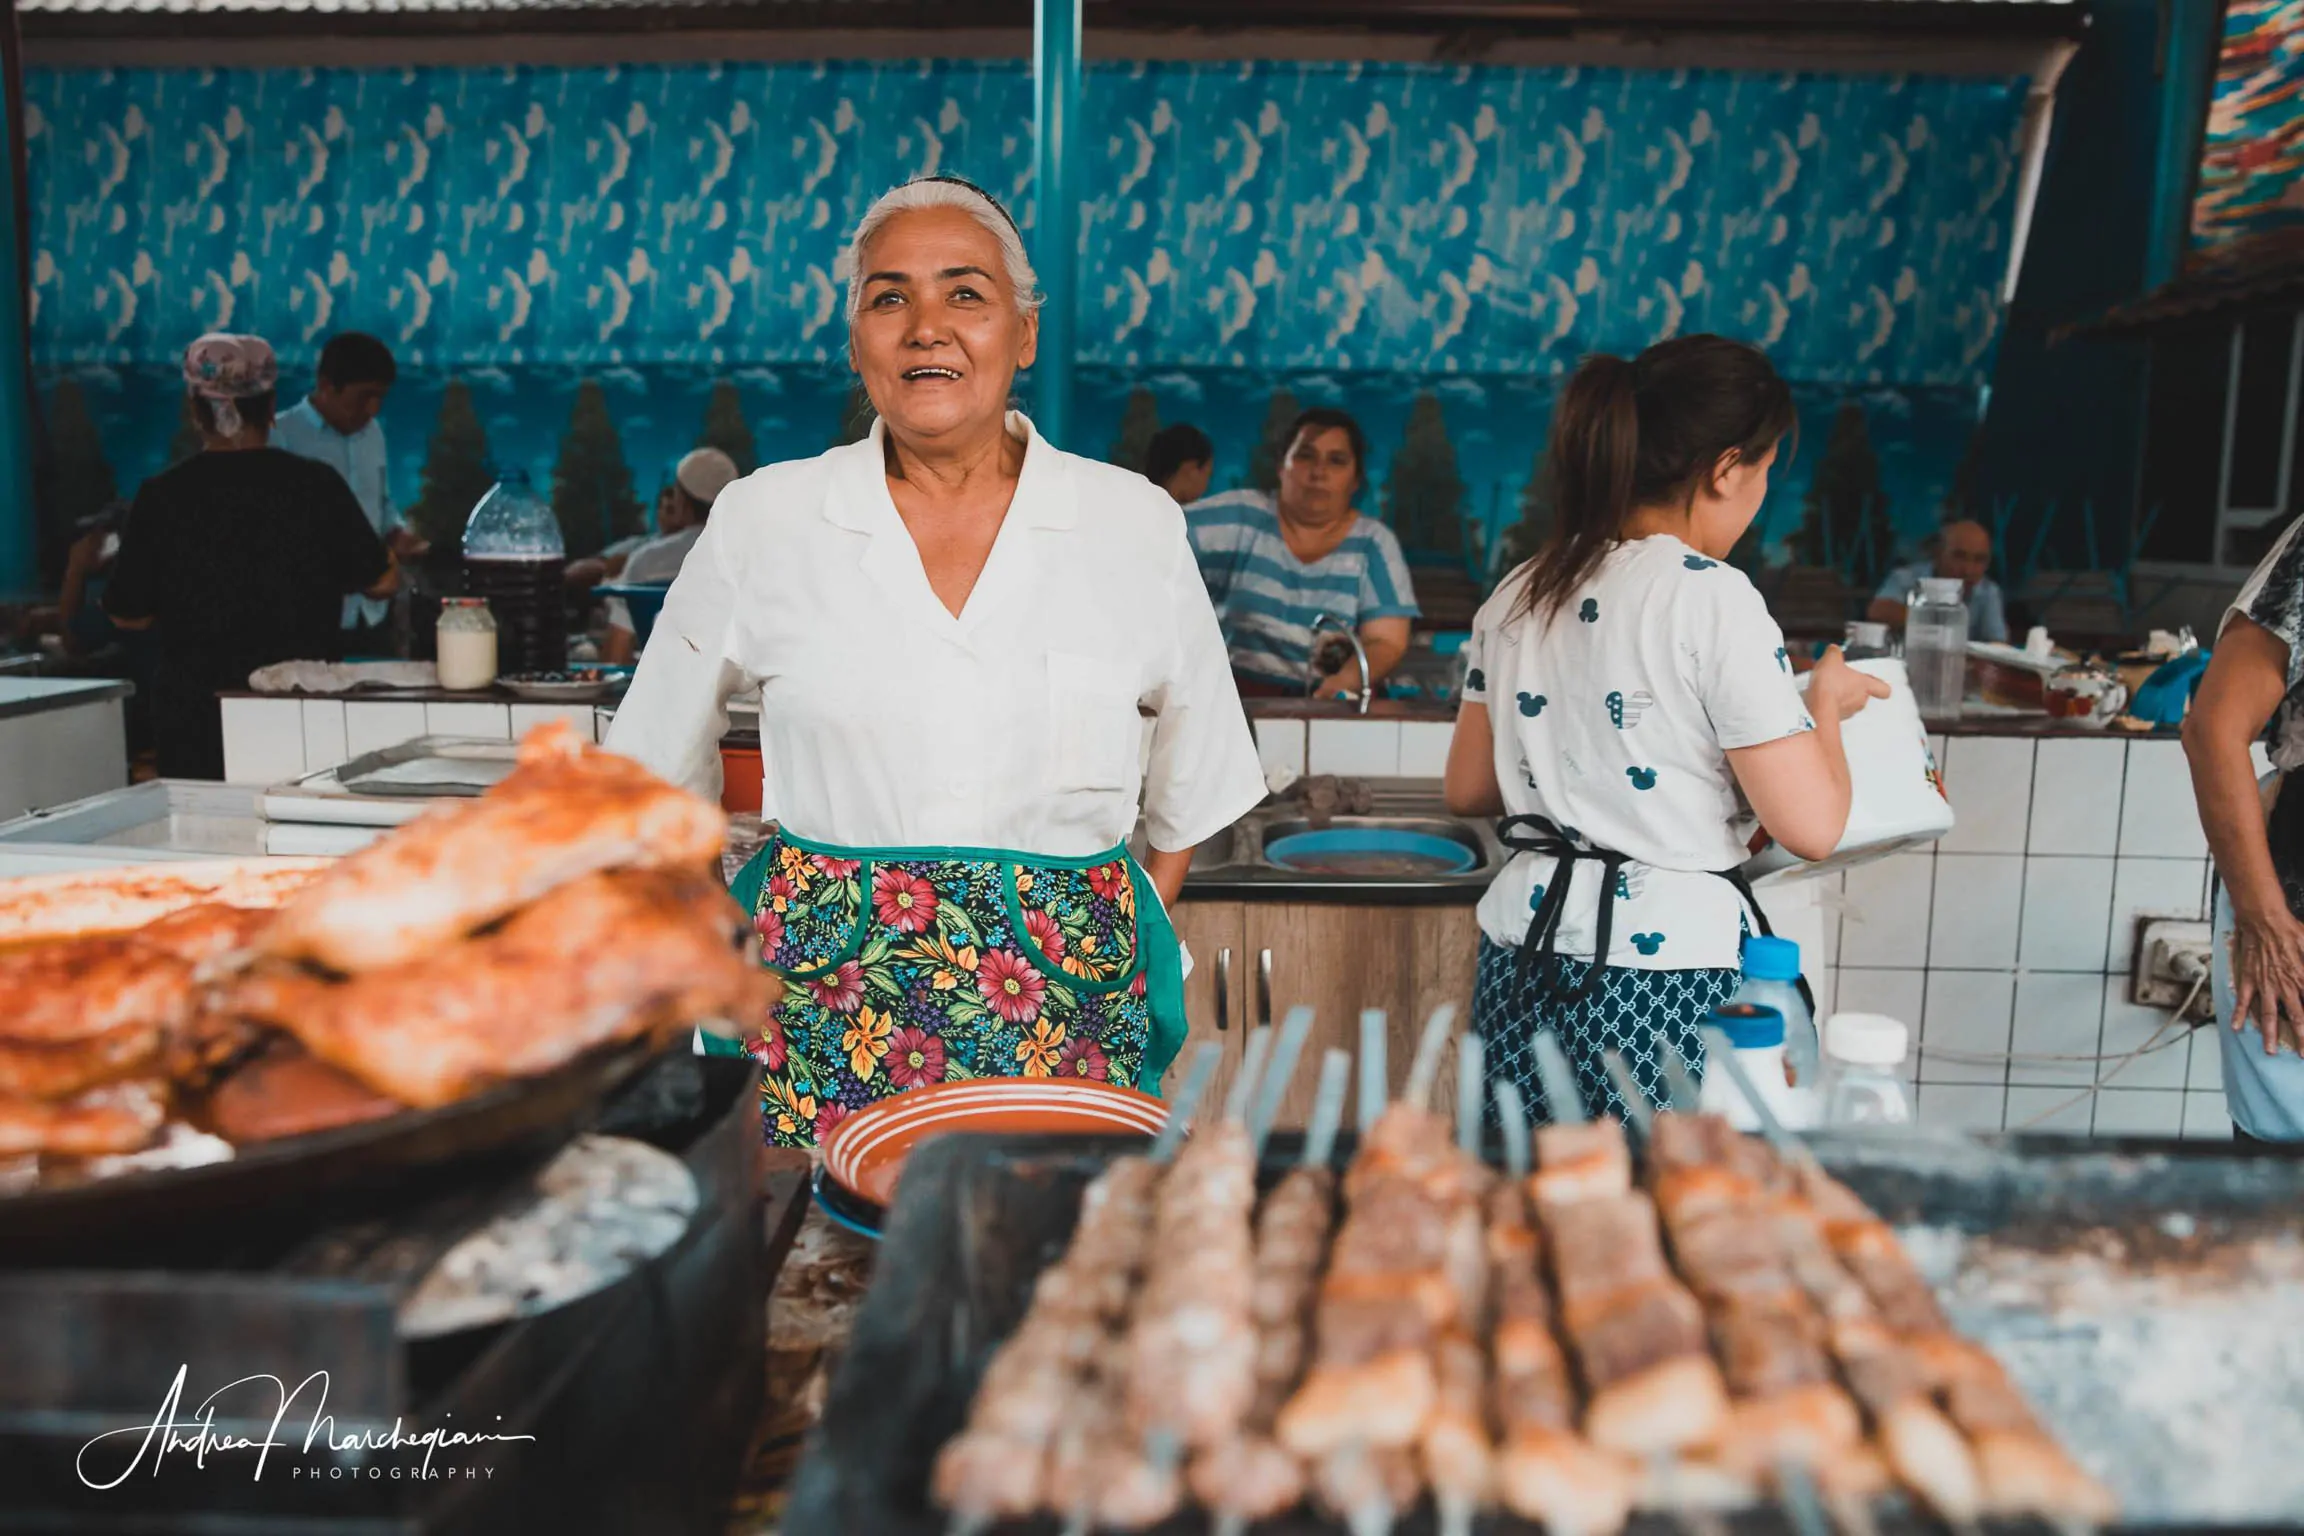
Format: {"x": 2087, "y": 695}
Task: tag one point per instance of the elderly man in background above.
{"x": 697, "y": 483}
{"x": 336, "y": 425}
{"x": 1962, "y": 549}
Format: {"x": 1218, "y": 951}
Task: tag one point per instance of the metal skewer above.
{"x": 1724, "y": 1057}
{"x": 1512, "y": 1110}
{"x": 1374, "y": 1088}
{"x": 1558, "y": 1079}
{"x": 1327, "y": 1108}
{"x": 1251, "y": 1068}
{"x": 1680, "y": 1086}
{"x": 1279, "y": 1072}
{"x": 1424, "y": 1068}
{"x": 1470, "y": 1055}
{"x": 1637, "y": 1114}
{"x": 1197, "y": 1077}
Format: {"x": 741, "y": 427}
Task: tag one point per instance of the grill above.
{"x": 638, "y": 1396}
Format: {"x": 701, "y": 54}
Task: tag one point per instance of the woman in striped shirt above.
{"x": 1274, "y": 564}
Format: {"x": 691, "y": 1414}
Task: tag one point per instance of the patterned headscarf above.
{"x": 222, "y": 368}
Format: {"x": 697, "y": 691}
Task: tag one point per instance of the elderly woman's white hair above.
{"x": 943, "y": 192}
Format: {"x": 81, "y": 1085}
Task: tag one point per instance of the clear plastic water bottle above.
{"x": 1936, "y": 647}
{"x": 1863, "y": 1079}
{"x": 1772, "y": 980}
{"x": 1755, "y": 1033}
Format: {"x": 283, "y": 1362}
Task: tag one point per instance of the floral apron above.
{"x": 912, "y": 966}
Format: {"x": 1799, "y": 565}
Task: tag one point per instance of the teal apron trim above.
{"x": 1159, "y": 952}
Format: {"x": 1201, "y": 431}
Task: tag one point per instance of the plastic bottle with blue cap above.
{"x": 1755, "y": 1032}
{"x": 1772, "y": 980}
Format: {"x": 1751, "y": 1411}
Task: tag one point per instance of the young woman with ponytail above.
{"x": 1623, "y": 687}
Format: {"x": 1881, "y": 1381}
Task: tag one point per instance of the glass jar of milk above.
{"x": 467, "y": 643}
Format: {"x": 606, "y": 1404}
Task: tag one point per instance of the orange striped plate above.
{"x": 866, "y": 1151}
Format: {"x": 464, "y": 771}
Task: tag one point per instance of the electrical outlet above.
{"x": 2171, "y": 964}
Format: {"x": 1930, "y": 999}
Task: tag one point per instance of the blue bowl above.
{"x": 645, "y": 599}
{"x": 1339, "y": 849}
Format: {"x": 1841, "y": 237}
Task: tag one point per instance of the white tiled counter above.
{"x": 271, "y": 739}
{"x": 2003, "y": 946}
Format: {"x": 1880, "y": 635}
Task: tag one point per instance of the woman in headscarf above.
{"x": 238, "y": 557}
{"x": 956, "y": 632}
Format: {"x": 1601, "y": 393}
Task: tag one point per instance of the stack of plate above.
{"x": 864, "y": 1156}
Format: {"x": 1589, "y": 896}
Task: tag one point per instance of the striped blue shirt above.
{"x": 1266, "y": 598}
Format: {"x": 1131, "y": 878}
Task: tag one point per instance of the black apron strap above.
{"x": 1540, "y": 835}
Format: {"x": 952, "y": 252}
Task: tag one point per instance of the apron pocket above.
{"x": 1078, "y": 923}
{"x": 810, "y": 910}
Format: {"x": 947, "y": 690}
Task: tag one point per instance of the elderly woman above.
{"x": 955, "y": 632}
{"x": 2253, "y": 691}
{"x": 1278, "y": 565}
{"x": 238, "y": 557}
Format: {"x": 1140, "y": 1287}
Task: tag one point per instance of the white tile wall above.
{"x": 2205, "y": 1116}
{"x": 323, "y": 734}
{"x": 2164, "y": 1048}
{"x": 2139, "y": 1112}
{"x": 2207, "y": 1071}
{"x": 1990, "y": 781}
{"x": 2158, "y": 818}
{"x": 1884, "y": 911}
{"x": 1979, "y": 902}
{"x": 2067, "y": 909}
{"x": 1359, "y": 748}
{"x": 2156, "y": 888}
{"x": 2075, "y": 784}
{"x": 2050, "y": 1111}
{"x": 1967, "y": 1015}
{"x": 372, "y": 727}
{"x": 490, "y": 722}
{"x": 2057, "y": 1015}
{"x": 1424, "y": 748}
{"x": 1280, "y": 744}
{"x": 1962, "y": 1107}
{"x": 263, "y": 740}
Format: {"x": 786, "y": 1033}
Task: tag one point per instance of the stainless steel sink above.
{"x": 1236, "y": 859}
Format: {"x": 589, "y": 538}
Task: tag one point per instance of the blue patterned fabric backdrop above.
{"x": 1367, "y": 231}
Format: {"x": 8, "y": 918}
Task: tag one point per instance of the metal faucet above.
{"x": 1328, "y": 621}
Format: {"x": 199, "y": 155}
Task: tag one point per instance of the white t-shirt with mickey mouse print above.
{"x": 1613, "y": 719}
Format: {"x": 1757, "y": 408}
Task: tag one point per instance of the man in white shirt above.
{"x": 1962, "y": 549}
{"x": 698, "y": 481}
{"x": 336, "y": 425}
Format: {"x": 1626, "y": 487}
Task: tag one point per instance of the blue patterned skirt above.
{"x": 1641, "y": 1014}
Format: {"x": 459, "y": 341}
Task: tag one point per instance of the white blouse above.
{"x": 885, "y": 722}
{"x": 1614, "y": 721}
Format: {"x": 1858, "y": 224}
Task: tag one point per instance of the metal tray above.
{"x": 349, "y": 1169}
{"x": 459, "y": 766}
{"x": 979, "y": 1217}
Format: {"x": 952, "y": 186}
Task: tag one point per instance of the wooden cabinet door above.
{"x": 1339, "y": 959}
{"x": 1447, "y": 947}
{"x": 1216, "y": 993}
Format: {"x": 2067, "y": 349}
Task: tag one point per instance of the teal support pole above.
{"x": 1056, "y": 130}
{"x": 19, "y": 518}
{"x": 2188, "y": 53}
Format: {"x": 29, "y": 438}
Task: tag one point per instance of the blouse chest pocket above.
{"x": 1093, "y": 726}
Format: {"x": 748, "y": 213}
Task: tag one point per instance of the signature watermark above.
{"x": 173, "y": 1431}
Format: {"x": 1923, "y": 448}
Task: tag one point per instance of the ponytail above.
{"x": 1644, "y": 432}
